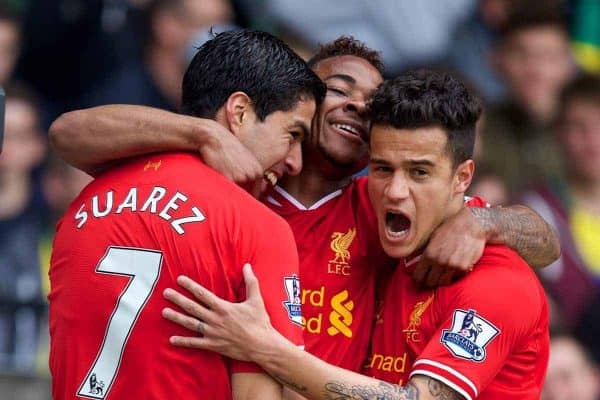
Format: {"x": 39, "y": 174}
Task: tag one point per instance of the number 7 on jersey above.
{"x": 142, "y": 266}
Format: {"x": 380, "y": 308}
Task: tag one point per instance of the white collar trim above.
{"x": 300, "y": 206}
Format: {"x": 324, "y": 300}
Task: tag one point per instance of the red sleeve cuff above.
{"x": 448, "y": 376}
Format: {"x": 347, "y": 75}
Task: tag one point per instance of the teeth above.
{"x": 347, "y": 128}
{"x": 271, "y": 177}
{"x": 397, "y": 234}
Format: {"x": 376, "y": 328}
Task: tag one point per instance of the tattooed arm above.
{"x": 419, "y": 387}
{"x": 522, "y": 229}
{"x": 243, "y": 331}
{"x": 458, "y": 243}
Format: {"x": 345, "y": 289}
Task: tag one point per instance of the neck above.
{"x": 311, "y": 185}
{"x": 543, "y": 112}
{"x": 319, "y": 177}
{"x": 15, "y": 190}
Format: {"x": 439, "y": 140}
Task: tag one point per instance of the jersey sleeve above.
{"x": 487, "y": 316}
{"x": 275, "y": 264}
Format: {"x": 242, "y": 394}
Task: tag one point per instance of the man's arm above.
{"x": 250, "y": 386}
{"x": 243, "y": 331}
{"x": 457, "y": 244}
{"x": 93, "y": 139}
{"x": 523, "y": 230}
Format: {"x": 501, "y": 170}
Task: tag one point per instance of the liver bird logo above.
{"x": 415, "y": 319}
{"x": 340, "y": 243}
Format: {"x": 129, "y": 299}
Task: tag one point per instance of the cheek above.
{"x": 375, "y": 190}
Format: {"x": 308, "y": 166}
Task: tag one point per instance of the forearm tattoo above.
{"x": 386, "y": 391}
{"x": 523, "y": 230}
{"x": 442, "y": 392}
{"x": 292, "y": 385}
{"x": 382, "y": 391}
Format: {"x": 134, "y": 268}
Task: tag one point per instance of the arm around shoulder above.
{"x": 92, "y": 139}
{"x": 522, "y": 229}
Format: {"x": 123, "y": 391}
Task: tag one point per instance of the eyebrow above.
{"x": 421, "y": 162}
{"x": 344, "y": 77}
{"x": 375, "y": 160}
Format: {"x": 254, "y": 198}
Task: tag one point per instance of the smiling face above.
{"x": 340, "y": 127}
{"x": 413, "y": 185}
{"x": 276, "y": 141}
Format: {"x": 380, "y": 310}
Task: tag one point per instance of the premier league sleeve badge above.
{"x": 469, "y": 335}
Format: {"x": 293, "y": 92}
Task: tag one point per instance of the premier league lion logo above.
{"x": 469, "y": 335}
{"x": 293, "y": 304}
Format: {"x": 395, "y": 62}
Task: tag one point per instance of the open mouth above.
{"x": 396, "y": 224}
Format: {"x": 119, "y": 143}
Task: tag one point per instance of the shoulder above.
{"x": 501, "y": 281}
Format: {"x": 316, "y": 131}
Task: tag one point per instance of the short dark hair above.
{"x": 347, "y": 46}
{"x": 424, "y": 98}
{"x": 532, "y": 17}
{"x": 585, "y": 87}
{"x": 256, "y": 63}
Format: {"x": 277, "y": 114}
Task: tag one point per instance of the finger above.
{"x": 191, "y": 342}
{"x": 200, "y": 292}
{"x": 463, "y": 262}
{"x": 252, "y": 285}
{"x": 256, "y": 187}
{"x": 433, "y": 277}
{"x": 189, "y": 306}
{"x": 447, "y": 277}
{"x": 420, "y": 272}
{"x": 181, "y": 319}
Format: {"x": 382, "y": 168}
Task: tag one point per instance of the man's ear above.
{"x": 463, "y": 176}
{"x": 237, "y": 109}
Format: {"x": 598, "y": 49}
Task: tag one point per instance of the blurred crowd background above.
{"x": 536, "y": 64}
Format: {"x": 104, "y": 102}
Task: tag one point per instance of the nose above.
{"x": 397, "y": 188}
{"x": 357, "y": 105}
{"x": 293, "y": 160}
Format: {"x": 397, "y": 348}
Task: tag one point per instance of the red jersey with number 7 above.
{"x": 122, "y": 242}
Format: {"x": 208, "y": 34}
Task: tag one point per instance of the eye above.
{"x": 336, "y": 91}
{"x": 381, "y": 169}
{"x": 419, "y": 173}
{"x": 297, "y": 136}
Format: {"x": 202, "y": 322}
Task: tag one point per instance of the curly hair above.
{"x": 348, "y": 46}
{"x": 425, "y": 98}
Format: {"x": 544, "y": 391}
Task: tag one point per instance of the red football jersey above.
{"x": 485, "y": 336}
{"x": 125, "y": 239}
{"x": 339, "y": 252}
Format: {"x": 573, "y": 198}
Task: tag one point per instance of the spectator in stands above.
{"x": 156, "y": 80}
{"x": 10, "y": 43}
{"x": 534, "y": 59}
{"x": 571, "y": 373}
{"x": 21, "y": 212}
{"x": 572, "y": 203}
{"x": 61, "y": 183}
{"x": 408, "y": 33}
{"x": 471, "y": 45}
